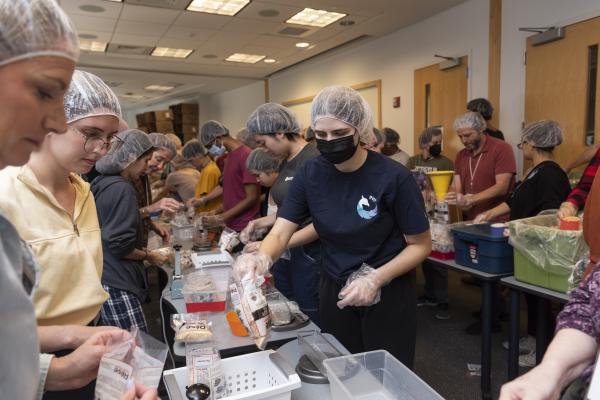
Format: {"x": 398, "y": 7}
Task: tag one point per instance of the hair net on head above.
{"x": 175, "y": 140}
{"x": 211, "y": 130}
{"x": 193, "y": 149}
{"x": 161, "y": 141}
{"x": 89, "y": 96}
{"x": 272, "y": 118}
{"x": 129, "y": 146}
{"x": 427, "y": 135}
{"x": 470, "y": 120}
{"x": 544, "y": 134}
{"x": 33, "y": 28}
{"x": 391, "y": 136}
{"x": 260, "y": 160}
{"x": 247, "y": 138}
{"x": 481, "y": 106}
{"x": 344, "y": 104}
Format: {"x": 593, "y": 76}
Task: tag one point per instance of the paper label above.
{"x": 113, "y": 379}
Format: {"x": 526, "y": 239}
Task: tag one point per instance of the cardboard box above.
{"x": 141, "y": 119}
{"x": 189, "y": 119}
{"x": 148, "y": 118}
{"x": 189, "y": 132}
{"x": 164, "y": 127}
{"x": 184, "y": 108}
{"x": 163, "y": 115}
{"x": 144, "y": 129}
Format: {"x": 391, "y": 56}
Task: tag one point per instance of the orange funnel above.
{"x": 440, "y": 180}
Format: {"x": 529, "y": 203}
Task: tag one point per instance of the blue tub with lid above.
{"x": 476, "y": 247}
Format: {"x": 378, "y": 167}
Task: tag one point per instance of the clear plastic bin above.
{"x": 375, "y": 375}
{"x": 206, "y": 290}
{"x": 317, "y": 348}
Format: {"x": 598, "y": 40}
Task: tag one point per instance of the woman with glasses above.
{"x": 54, "y": 211}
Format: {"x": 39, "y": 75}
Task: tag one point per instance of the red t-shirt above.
{"x": 478, "y": 173}
{"x": 235, "y": 176}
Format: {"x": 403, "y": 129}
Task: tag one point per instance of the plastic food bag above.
{"x": 539, "y": 240}
{"x": 204, "y": 367}
{"x": 279, "y": 309}
{"x": 191, "y": 327}
{"x": 228, "y": 240}
{"x": 139, "y": 359}
{"x": 578, "y": 271}
{"x": 251, "y": 306}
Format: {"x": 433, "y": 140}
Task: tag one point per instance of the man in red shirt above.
{"x": 484, "y": 169}
{"x": 241, "y": 192}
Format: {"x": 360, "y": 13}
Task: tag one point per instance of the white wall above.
{"x": 529, "y": 13}
{"x": 233, "y": 107}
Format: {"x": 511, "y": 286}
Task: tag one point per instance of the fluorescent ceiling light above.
{"x": 91, "y": 45}
{"x": 245, "y": 58}
{"x": 117, "y": 1}
{"x": 302, "y": 45}
{"x": 170, "y": 52}
{"x": 222, "y": 7}
{"x": 313, "y": 17}
{"x": 132, "y": 97}
{"x": 270, "y": 60}
{"x": 158, "y": 88}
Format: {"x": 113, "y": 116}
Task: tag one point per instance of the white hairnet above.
{"x": 211, "y": 130}
{"x": 544, "y": 134}
{"x": 193, "y": 149}
{"x": 272, "y": 118}
{"x": 470, "y": 120}
{"x": 89, "y": 96}
{"x": 129, "y": 146}
{"x": 161, "y": 141}
{"x": 260, "y": 160}
{"x": 247, "y": 138}
{"x": 344, "y": 104}
{"x": 33, "y": 28}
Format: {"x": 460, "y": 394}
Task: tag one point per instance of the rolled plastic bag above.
{"x": 252, "y": 308}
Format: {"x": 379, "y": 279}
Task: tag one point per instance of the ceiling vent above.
{"x": 172, "y": 4}
{"x": 114, "y": 48}
{"x": 113, "y": 84}
{"x": 293, "y": 31}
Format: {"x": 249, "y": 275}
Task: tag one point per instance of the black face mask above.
{"x": 435, "y": 150}
{"x": 337, "y": 151}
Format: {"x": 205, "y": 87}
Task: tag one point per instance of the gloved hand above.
{"x": 567, "y": 209}
{"x": 252, "y": 247}
{"x": 247, "y": 232}
{"x": 363, "y": 288}
{"x": 463, "y": 201}
{"x": 251, "y": 265}
{"x": 483, "y": 217}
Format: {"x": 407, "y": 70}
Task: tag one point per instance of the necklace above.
{"x": 474, "y": 171}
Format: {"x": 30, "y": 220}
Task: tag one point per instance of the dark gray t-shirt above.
{"x": 288, "y": 171}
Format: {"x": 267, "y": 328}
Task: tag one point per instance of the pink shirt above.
{"x": 235, "y": 176}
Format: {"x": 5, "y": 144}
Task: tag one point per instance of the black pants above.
{"x": 389, "y": 325}
{"x": 436, "y": 282}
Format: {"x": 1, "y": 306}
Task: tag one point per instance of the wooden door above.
{"x": 440, "y": 97}
{"x": 558, "y": 86}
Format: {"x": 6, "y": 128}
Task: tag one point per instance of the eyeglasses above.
{"x": 95, "y": 143}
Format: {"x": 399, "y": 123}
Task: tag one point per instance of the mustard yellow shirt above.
{"x": 209, "y": 179}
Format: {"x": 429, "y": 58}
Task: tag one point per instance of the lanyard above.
{"x": 474, "y": 171}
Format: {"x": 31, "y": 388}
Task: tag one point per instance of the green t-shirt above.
{"x": 440, "y": 163}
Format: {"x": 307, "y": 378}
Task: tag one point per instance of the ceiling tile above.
{"x": 100, "y": 36}
{"x": 83, "y": 22}
{"x": 251, "y": 11}
{"x": 140, "y": 28}
{"x": 224, "y": 38}
{"x": 276, "y": 41}
{"x": 111, "y": 9}
{"x": 176, "y": 32}
{"x": 240, "y": 25}
{"x": 151, "y": 15}
{"x": 190, "y": 19}
{"x": 135, "y": 40}
{"x": 180, "y": 43}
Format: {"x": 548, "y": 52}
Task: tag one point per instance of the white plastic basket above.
{"x": 261, "y": 375}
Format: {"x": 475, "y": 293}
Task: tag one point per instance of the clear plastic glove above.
{"x": 461, "y": 200}
{"x": 248, "y": 232}
{"x": 484, "y": 217}
{"x": 166, "y": 204}
{"x": 251, "y": 265}
{"x": 567, "y": 209}
{"x": 252, "y": 247}
{"x": 363, "y": 288}
{"x": 157, "y": 258}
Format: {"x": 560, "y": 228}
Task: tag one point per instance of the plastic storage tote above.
{"x": 206, "y": 289}
{"x": 262, "y": 375}
{"x": 475, "y": 247}
{"x": 545, "y": 255}
{"x": 375, "y": 375}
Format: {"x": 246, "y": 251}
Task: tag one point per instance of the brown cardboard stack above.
{"x": 164, "y": 121}
{"x": 146, "y": 122}
{"x": 185, "y": 120}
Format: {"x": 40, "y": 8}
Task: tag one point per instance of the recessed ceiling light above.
{"x": 347, "y": 22}
{"x": 302, "y": 45}
{"x": 222, "y": 7}
{"x": 92, "y": 45}
{"x": 313, "y": 17}
{"x": 91, "y": 8}
{"x": 270, "y": 60}
{"x": 117, "y": 1}
{"x": 268, "y": 13}
{"x": 87, "y": 36}
{"x": 170, "y": 52}
{"x": 209, "y": 56}
{"x": 245, "y": 58}
{"x": 158, "y": 88}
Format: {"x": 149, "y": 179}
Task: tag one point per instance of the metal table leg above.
{"x": 513, "y": 335}
{"x": 486, "y": 337}
{"x": 541, "y": 339}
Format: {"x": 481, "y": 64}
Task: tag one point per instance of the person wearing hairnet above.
{"x": 485, "y": 109}
{"x": 241, "y": 193}
{"x": 124, "y": 276}
{"x": 364, "y": 217}
{"x": 391, "y": 147}
{"x": 545, "y": 187}
{"x": 210, "y": 176}
{"x": 431, "y": 158}
{"x": 38, "y": 52}
{"x": 296, "y": 275}
{"x": 265, "y": 168}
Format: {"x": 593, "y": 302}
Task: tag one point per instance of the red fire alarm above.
{"x": 396, "y": 103}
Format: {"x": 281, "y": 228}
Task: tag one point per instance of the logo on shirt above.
{"x": 288, "y": 178}
{"x": 367, "y": 208}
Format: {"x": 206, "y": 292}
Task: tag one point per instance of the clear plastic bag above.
{"x": 228, "y": 240}
{"x": 139, "y": 359}
{"x": 539, "y": 240}
{"x": 192, "y": 327}
{"x": 252, "y": 308}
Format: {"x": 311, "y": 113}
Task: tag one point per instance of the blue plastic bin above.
{"x": 475, "y": 247}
